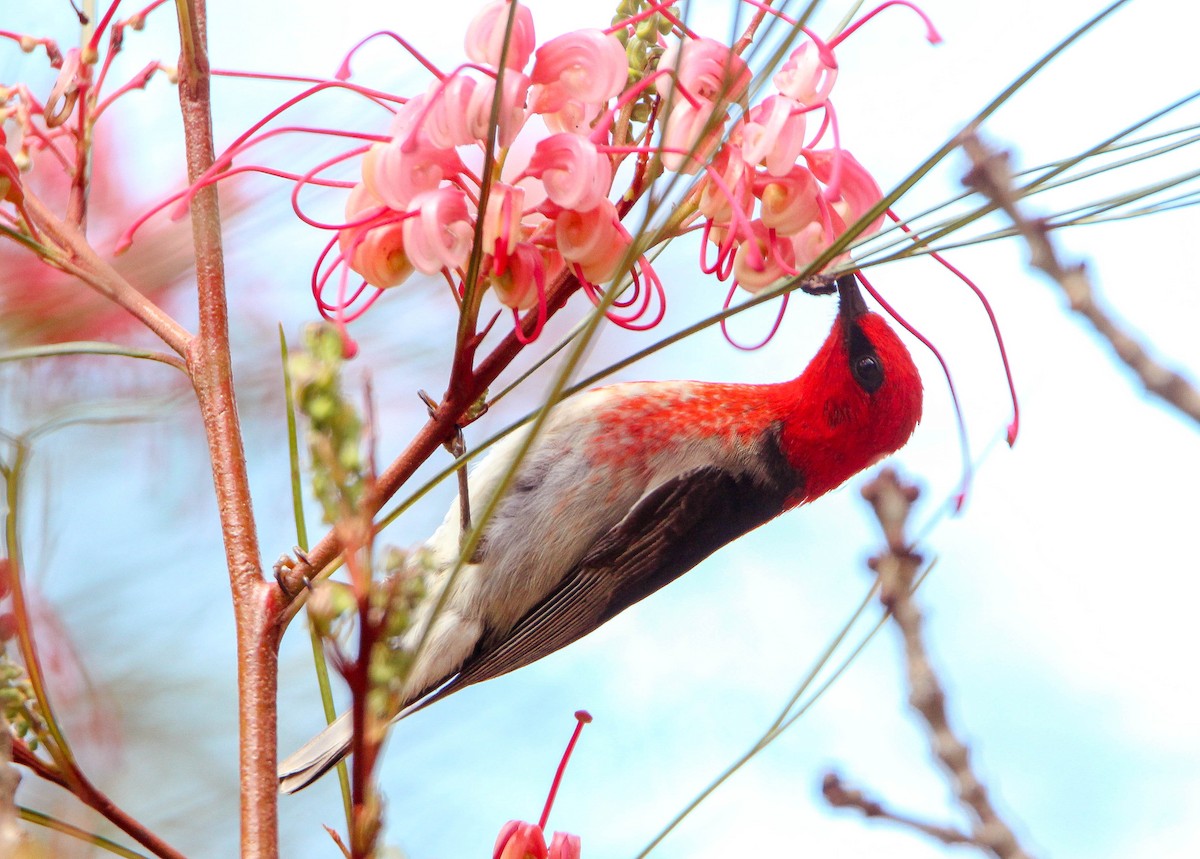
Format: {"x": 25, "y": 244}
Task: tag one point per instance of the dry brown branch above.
{"x": 896, "y": 568}
{"x": 991, "y": 176}
{"x": 839, "y": 796}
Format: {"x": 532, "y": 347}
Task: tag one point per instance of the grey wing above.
{"x": 668, "y": 532}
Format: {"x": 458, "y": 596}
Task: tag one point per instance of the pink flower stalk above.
{"x": 520, "y": 840}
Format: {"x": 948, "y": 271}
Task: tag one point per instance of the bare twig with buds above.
{"x": 991, "y": 176}
{"x": 896, "y": 567}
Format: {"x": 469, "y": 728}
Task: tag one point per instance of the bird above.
{"x": 629, "y": 486}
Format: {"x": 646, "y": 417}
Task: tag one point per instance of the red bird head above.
{"x": 856, "y": 402}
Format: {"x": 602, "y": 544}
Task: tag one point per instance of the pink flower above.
{"x": 395, "y": 173}
{"x": 486, "y": 32}
{"x": 448, "y": 121}
{"x": 574, "y": 173}
{"x": 762, "y": 259}
{"x": 520, "y": 840}
{"x": 565, "y": 846}
{"x": 736, "y": 179}
{"x": 512, "y": 108}
{"x": 789, "y": 203}
{"x": 806, "y": 76}
{"x": 690, "y": 136}
{"x": 593, "y": 240}
{"x": 850, "y": 189}
{"x": 584, "y": 66}
{"x": 440, "y": 234}
{"x": 375, "y": 249}
{"x": 502, "y": 220}
{"x": 773, "y": 134}
{"x": 705, "y": 69}
{"x": 811, "y": 242}
{"x": 524, "y": 276}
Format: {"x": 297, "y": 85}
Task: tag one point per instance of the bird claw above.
{"x": 285, "y": 565}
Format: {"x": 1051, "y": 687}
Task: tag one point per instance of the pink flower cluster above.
{"x": 773, "y": 203}
{"x": 545, "y": 204}
{"x": 500, "y": 175}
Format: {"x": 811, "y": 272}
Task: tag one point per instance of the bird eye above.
{"x": 868, "y": 372}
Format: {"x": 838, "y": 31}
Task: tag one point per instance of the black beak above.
{"x": 850, "y": 300}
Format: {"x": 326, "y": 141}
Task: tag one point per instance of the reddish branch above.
{"x": 77, "y": 257}
{"x": 990, "y": 175}
{"x": 87, "y": 793}
{"x": 256, "y": 604}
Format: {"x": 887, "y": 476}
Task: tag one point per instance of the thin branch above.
{"x": 991, "y": 176}
{"x": 256, "y": 603}
{"x": 839, "y": 796}
{"x": 896, "y": 568}
{"x": 82, "y": 261}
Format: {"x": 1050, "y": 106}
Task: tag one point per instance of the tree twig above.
{"x": 839, "y": 796}
{"x": 896, "y": 567}
{"x": 991, "y": 176}
{"x": 256, "y": 603}
{"x": 83, "y": 262}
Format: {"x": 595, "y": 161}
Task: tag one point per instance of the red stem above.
{"x": 87, "y": 793}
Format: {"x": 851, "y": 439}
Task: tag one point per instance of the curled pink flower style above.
{"x": 575, "y": 174}
{"x": 586, "y": 67}
{"x": 808, "y": 75}
{"x": 486, "y": 35}
{"x": 374, "y": 248}
{"x": 593, "y": 240}
{"x": 439, "y": 236}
